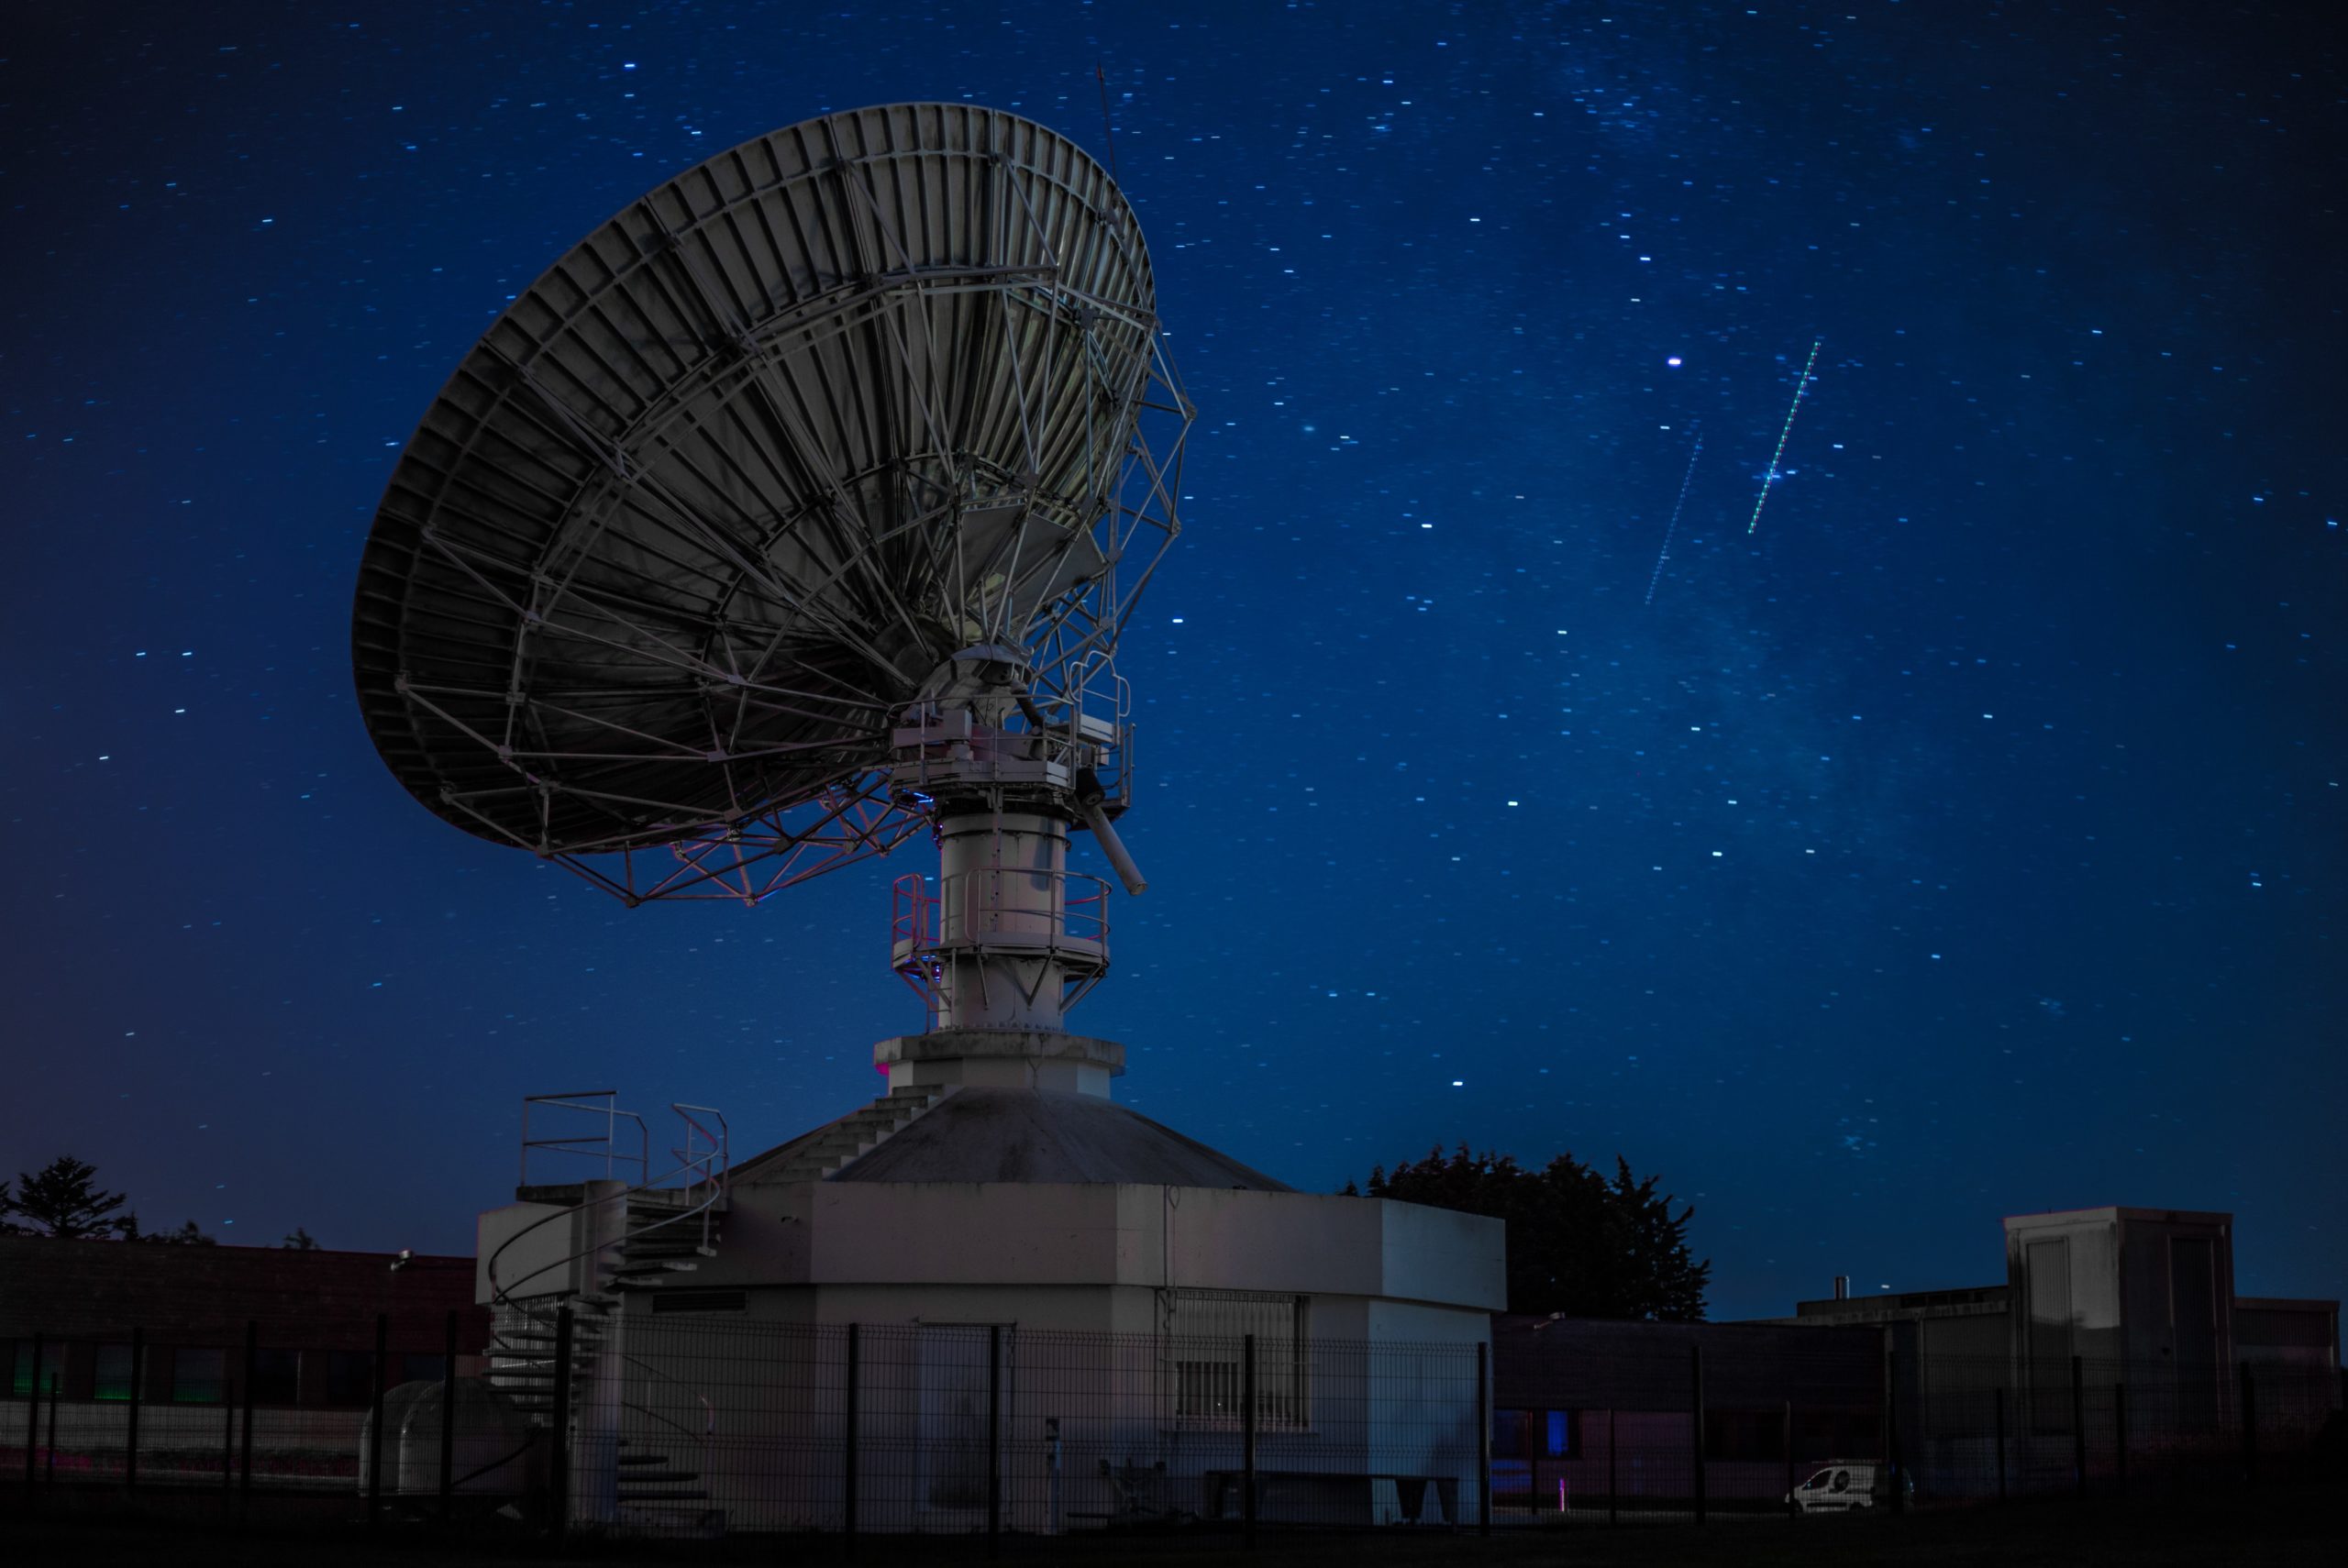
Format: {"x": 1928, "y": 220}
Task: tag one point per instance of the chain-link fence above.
{"x": 699, "y": 1424}
{"x": 672, "y": 1424}
{"x": 1691, "y": 1433}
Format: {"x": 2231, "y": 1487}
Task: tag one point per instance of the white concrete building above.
{"x": 2120, "y": 1321}
{"x": 1000, "y": 1198}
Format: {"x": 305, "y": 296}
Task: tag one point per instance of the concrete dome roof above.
{"x": 983, "y": 1134}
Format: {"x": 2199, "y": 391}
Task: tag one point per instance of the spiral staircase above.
{"x": 634, "y": 1466}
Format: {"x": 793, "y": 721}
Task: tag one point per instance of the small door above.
{"x": 953, "y": 1439}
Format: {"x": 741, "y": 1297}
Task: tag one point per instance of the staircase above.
{"x": 660, "y": 1232}
{"x": 857, "y": 1133}
{"x": 663, "y": 1231}
{"x": 655, "y": 1493}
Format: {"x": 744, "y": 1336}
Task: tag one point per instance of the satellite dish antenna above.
{"x": 799, "y": 507}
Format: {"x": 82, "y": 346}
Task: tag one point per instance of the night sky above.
{"x": 1967, "y": 839}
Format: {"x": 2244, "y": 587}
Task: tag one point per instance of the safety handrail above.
{"x": 502, "y": 1291}
{"x": 1078, "y": 904}
{"x": 704, "y": 1163}
{"x": 499, "y": 1293}
{"x": 716, "y": 1164}
{"x": 585, "y": 1142}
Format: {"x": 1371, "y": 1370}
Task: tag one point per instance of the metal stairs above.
{"x": 522, "y": 1354}
{"x": 654, "y": 1493}
{"x": 662, "y": 1233}
{"x": 658, "y": 1232}
{"x": 857, "y": 1133}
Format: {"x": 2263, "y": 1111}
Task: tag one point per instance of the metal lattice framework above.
{"x": 706, "y": 505}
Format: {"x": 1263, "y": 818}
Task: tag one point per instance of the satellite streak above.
{"x": 1795, "y": 407}
{"x": 1672, "y": 527}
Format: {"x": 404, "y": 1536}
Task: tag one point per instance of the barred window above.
{"x": 1207, "y": 1390}
{"x": 1205, "y": 1354}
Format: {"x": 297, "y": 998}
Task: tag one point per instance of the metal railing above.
{"x": 524, "y": 1326}
{"x": 971, "y": 913}
{"x": 604, "y": 1146}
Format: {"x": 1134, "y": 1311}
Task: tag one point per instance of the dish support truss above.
{"x": 1068, "y": 650}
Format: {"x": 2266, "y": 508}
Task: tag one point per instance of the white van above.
{"x": 1843, "y": 1485}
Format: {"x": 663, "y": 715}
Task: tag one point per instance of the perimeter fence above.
{"x": 695, "y": 1422}
{"x": 1689, "y": 1434}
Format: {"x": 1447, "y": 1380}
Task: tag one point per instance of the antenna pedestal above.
{"x": 1001, "y": 1058}
{"x": 1007, "y": 938}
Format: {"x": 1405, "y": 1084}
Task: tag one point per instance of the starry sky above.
{"x": 1965, "y": 839}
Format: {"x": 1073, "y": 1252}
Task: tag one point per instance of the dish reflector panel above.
{"x": 703, "y": 510}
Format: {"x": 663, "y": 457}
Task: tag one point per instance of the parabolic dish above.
{"x": 705, "y": 506}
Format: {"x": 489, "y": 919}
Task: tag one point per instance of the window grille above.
{"x": 1205, "y": 1347}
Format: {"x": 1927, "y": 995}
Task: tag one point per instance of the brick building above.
{"x": 313, "y": 1315}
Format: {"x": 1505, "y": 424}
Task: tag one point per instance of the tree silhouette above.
{"x": 301, "y": 1241}
{"x": 188, "y": 1235}
{"x": 64, "y": 1202}
{"x": 1578, "y": 1244}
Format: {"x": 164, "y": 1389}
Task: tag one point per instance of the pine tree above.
{"x": 64, "y": 1202}
{"x": 301, "y": 1241}
{"x": 1578, "y": 1243}
{"x": 188, "y": 1235}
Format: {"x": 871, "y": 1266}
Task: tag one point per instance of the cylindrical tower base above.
{"x": 1016, "y": 936}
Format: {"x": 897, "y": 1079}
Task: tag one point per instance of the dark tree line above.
{"x": 64, "y": 1202}
{"x": 1578, "y": 1243}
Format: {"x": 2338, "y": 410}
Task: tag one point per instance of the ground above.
{"x": 2284, "y": 1529}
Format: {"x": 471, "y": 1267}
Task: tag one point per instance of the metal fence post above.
{"x": 1695, "y": 1422}
{"x": 994, "y": 1439}
{"x": 227, "y": 1453}
{"x": 1793, "y": 1510}
{"x": 558, "y": 1460}
{"x": 2000, "y": 1392}
{"x": 449, "y": 1418}
{"x": 2249, "y": 1427}
{"x": 32, "y": 1417}
{"x": 381, "y": 1369}
{"x": 1613, "y": 1497}
{"x": 2120, "y": 1435}
{"x": 2079, "y": 1420}
{"x": 138, "y": 1393}
{"x": 849, "y": 1438}
{"x": 1484, "y": 1439}
{"x": 48, "y": 1477}
{"x": 252, "y": 1379}
{"x": 1248, "y": 1439}
{"x": 1892, "y": 1431}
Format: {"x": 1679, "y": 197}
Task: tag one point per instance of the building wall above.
{"x": 1122, "y": 1311}
{"x": 2279, "y": 1332}
{"x": 850, "y": 1237}
{"x": 2293, "y": 1350}
{"x": 1592, "y": 1408}
{"x": 2121, "y": 1284}
{"x": 197, "y": 1294}
{"x": 312, "y": 1377}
